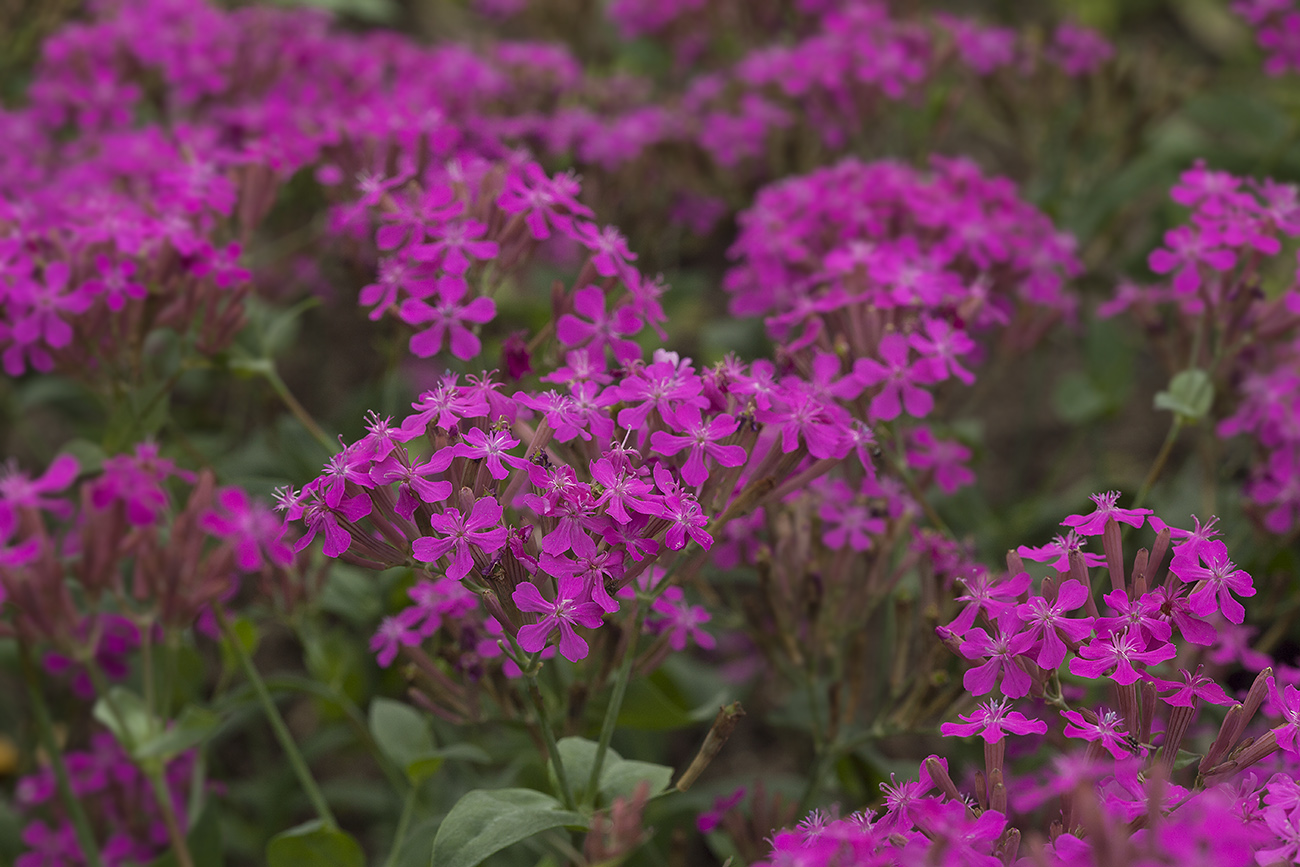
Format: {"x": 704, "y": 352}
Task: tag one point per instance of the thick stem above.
{"x": 282, "y": 733}
{"x": 45, "y": 732}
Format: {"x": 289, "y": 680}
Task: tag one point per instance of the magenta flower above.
{"x": 1115, "y": 654}
{"x": 1287, "y": 703}
{"x": 460, "y": 532}
{"x": 1094, "y": 523}
{"x": 599, "y": 329}
{"x": 114, "y": 283}
{"x": 393, "y": 634}
{"x": 1216, "y": 581}
{"x": 1047, "y": 627}
{"x": 702, "y": 437}
{"x": 978, "y": 644}
{"x": 993, "y": 721}
{"x": 1106, "y": 728}
{"x": 251, "y": 527}
{"x": 412, "y": 486}
{"x": 454, "y": 245}
{"x": 1194, "y": 685}
{"x": 680, "y": 620}
{"x": 572, "y": 606}
{"x": 900, "y": 379}
{"x": 1057, "y": 552}
{"x": 19, "y": 491}
{"x": 492, "y": 447}
{"x": 447, "y": 316}
{"x": 1188, "y": 249}
{"x": 622, "y": 490}
{"x": 990, "y": 593}
{"x": 320, "y": 517}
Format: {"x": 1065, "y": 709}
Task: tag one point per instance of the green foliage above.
{"x": 312, "y": 843}
{"x": 484, "y": 822}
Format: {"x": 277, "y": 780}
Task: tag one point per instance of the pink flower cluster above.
{"x": 119, "y": 536}
{"x": 1249, "y": 343}
{"x": 1050, "y": 652}
{"x": 557, "y": 499}
{"x": 1277, "y": 30}
{"x": 118, "y": 798}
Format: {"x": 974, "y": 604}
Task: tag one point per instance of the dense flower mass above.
{"x": 1117, "y": 767}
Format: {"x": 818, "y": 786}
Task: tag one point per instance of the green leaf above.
{"x": 426, "y": 766}
{"x": 1184, "y": 759}
{"x": 204, "y": 841}
{"x": 401, "y": 731}
{"x": 618, "y": 777}
{"x": 192, "y": 727}
{"x": 484, "y": 822}
{"x": 312, "y": 843}
{"x": 123, "y": 712}
{"x": 1190, "y": 395}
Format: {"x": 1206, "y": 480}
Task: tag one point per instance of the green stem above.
{"x": 45, "y": 732}
{"x": 146, "y": 662}
{"x": 611, "y": 713}
{"x": 298, "y": 410}
{"x": 282, "y": 733}
{"x": 408, "y": 809}
{"x": 163, "y": 796}
{"x": 1161, "y": 459}
{"x": 548, "y": 735}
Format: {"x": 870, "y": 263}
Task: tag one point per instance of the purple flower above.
{"x": 393, "y": 634}
{"x": 993, "y": 721}
{"x": 572, "y": 606}
{"x": 1048, "y": 628}
{"x": 702, "y": 438}
{"x": 1094, "y": 523}
{"x": 460, "y": 532}
{"x": 601, "y": 329}
{"x": 1106, "y": 728}
{"x": 900, "y": 379}
{"x": 1216, "y": 581}
{"x": 447, "y": 316}
{"x": 1115, "y": 654}
{"x": 1001, "y": 659}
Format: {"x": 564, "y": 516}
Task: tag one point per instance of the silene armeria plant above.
{"x": 709, "y": 432}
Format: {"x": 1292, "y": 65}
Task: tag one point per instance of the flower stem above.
{"x": 1159, "y": 464}
{"x": 548, "y": 735}
{"x": 45, "y": 732}
{"x": 408, "y": 808}
{"x": 299, "y": 411}
{"x": 612, "y": 711}
{"x": 282, "y": 733}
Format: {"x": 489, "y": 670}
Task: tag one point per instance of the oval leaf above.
{"x": 313, "y": 843}
{"x": 484, "y": 822}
